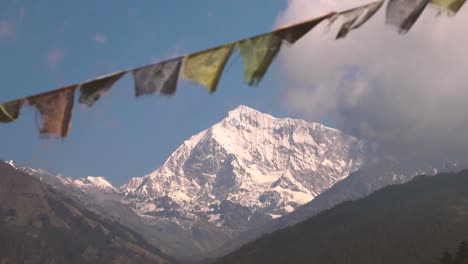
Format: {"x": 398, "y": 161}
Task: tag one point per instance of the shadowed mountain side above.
{"x": 408, "y": 223}
{"x": 40, "y": 225}
{"x": 359, "y": 184}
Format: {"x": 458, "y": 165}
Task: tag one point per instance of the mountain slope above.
{"x": 167, "y": 236}
{"x": 409, "y": 223}
{"x": 39, "y": 225}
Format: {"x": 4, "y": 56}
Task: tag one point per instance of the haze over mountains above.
{"x": 247, "y": 175}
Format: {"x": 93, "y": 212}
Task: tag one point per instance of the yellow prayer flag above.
{"x": 452, "y": 5}
{"x": 206, "y": 67}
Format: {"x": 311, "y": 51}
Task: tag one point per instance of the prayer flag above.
{"x": 161, "y": 77}
{"x": 293, "y": 33}
{"x": 10, "y": 111}
{"x": 452, "y": 5}
{"x": 357, "y": 17}
{"x": 404, "y": 13}
{"x": 206, "y": 67}
{"x": 91, "y": 91}
{"x": 56, "y": 110}
{"x": 258, "y": 53}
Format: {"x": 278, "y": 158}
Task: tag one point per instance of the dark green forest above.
{"x": 406, "y": 224}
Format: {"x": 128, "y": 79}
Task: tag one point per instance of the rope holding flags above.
{"x": 206, "y": 67}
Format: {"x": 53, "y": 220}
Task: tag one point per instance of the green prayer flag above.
{"x": 257, "y": 54}
{"x": 10, "y": 111}
{"x": 206, "y": 67}
{"x": 451, "y": 5}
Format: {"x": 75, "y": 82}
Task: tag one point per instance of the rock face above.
{"x": 40, "y": 225}
{"x": 237, "y": 175}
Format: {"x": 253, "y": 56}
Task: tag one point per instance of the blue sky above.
{"x": 48, "y": 44}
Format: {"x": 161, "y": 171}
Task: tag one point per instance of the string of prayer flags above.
{"x": 56, "y": 110}
{"x": 10, "y": 111}
{"x": 404, "y": 13}
{"x": 257, "y": 54}
{"x": 453, "y": 6}
{"x": 91, "y": 91}
{"x": 161, "y": 78}
{"x": 206, "y": 67}
{"x": 293, "y": 33}
{"x": 357, "y": 17}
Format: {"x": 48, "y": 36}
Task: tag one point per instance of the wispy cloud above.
{"x": 100, "y": 38}
{"x": 54, "y": 58}
{"x": 7, "y": 30}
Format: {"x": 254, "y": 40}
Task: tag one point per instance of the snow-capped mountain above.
{"x": 241, "y": 173}
{"x": 237, "y": 175}
{"x": 265, "y": 165}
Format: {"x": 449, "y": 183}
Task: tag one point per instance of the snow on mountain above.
{"x": 95, "y": 182}
{"x": 60, "y": 181}
{"x": 264, "y": 164}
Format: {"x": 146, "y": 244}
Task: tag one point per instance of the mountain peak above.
{"x": 245, "y": 111}
{"x": 242, "y": 108}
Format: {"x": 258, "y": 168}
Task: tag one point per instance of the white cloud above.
{"x": 407, "y": 93}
